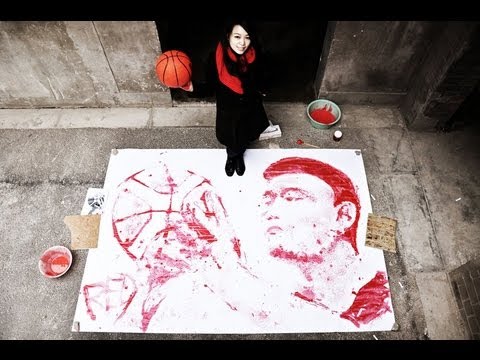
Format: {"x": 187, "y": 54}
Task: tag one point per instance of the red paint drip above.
{"x": 370, "y": 302}
{"x": 309, "y": 295}
{"x": 304, "y": 296}
{"x": 231, "y": 306}
{"x": 323, "y": 115}
{"x": 100, "y": 295}
{"x": 263, "y": 315}
{"x": 148, "y": 313}
{"x": 236, "y": 246}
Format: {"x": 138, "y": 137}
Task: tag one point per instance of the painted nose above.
{"x": 270, "y": 211}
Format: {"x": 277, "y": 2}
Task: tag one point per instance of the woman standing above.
{"x": 241, "y": 117}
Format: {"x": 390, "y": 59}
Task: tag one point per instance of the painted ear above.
{"x": 346, "y": 213}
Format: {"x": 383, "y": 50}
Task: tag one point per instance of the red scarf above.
{"x": 227, "y": 79}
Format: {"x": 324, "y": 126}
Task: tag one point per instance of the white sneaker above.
{"x": 272, "y": 131}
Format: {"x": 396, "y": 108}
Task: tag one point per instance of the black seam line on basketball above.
{"x": 176, "y": 74}
{"x": 158, "y": 63}
{"x": 186, "y": 68}
{"x": 165, "y": 57}
{"x": 165, "y": 69}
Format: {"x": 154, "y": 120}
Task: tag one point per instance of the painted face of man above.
{"x": 239, "y": 40}
{"x": 298, "y": 214}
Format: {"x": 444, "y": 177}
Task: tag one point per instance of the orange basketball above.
{"x": 174, "y": 69}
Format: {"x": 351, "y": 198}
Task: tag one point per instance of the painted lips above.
{"x": 274, "y": 230}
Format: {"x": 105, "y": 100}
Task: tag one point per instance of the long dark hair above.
{"x": 232, "y": 66}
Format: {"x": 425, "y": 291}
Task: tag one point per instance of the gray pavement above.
{"x": 428, "y": 181}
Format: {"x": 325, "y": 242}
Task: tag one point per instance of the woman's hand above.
{"x": 187, "y": 87}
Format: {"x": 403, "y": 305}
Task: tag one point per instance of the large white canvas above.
{"x": 185, "y": 249}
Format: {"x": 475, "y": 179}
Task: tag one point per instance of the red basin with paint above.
{"x": 323, "y": 113}
{"x": 55, "y": 261}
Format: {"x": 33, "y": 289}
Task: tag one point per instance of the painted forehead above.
{"x": 306, "y": 182}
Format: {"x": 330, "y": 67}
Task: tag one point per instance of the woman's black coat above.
{"x": 240, "y": 118}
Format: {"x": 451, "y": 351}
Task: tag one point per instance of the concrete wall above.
{"x": 79, "y": 64}
{"x": 446, "y": 77}
{"x": 427, "y": 68}
{"x": 371, "y": 61}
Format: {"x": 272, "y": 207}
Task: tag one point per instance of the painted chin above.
{"x": 239, "y": 51}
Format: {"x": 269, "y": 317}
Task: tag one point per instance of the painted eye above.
{"x": 268, "y": 198}
{"x": 293, "y": 196}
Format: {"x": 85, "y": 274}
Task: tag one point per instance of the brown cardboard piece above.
{"x": 84, "y": 230}
{"x": 381, "y": 233}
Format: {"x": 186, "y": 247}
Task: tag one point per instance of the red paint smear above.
{"x": 148, "y": 314}
{"x": 231, "y": 306}
{"x": 323, "y": 115}
{"x": 201, "y": 231}
{"x": 370, "y": 302}
{"x": 342, "y": 186}
{"x": 100, "y": 294}
{"x": 129, "y": 229}
{"x": 133, "y": 228}
{"x": 208, "y": 212}
{"x": 236, "y": 246}
{"x": 307, "y": 297}
{"x": 299, "y": 257}
{"x": 165, "y": 268}
{"x": 263, "y": 315}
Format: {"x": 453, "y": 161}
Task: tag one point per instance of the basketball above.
{"x": 174, "y": 69}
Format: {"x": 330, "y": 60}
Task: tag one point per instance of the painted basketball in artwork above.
{"x": 174, "y": 69}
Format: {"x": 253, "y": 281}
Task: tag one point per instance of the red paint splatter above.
{"x": 149, "y": 311}
{"x": 127, "y": 230}
{"x": 165, "y": 268}
{"x": 262, "y": 315}
{"x": 298, "y": 257}
{"x": 121, "y": 288}
{"x": 323, "y": 115}
{"x": 236, "y": 246}
{"x": 300, "y": 142}
{"x": 370, "y": 302}
{"x": 201, "y": 231}
{"x": 231, "y": 306}
{"x": 307, "y": 296}
{"x": 185, "y": 216}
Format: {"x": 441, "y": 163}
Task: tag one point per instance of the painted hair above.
{"x": 342, "y": 186}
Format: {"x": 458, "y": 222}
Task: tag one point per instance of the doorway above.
{"x": 292, "y": 48}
